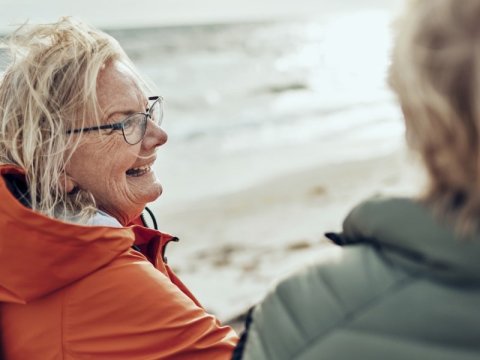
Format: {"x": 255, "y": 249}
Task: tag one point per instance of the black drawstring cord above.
{"x": 155, "y": 226}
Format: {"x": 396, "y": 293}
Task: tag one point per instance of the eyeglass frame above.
{"x": 121, "y": 125}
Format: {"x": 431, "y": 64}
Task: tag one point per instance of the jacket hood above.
{"x": 39, "y": 255}
{"x": 410, "y": 235}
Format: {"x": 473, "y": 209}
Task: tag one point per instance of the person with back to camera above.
{"x": 81, "y": 276}
{"x": 407, "y": 284}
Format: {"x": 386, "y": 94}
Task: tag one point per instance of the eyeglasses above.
{"x": 133, "y": 126}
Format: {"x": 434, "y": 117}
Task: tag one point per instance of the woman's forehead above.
{"x": 118, "y": 86}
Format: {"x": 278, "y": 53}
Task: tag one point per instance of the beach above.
{"x": 276, "y": 130}
{"x": 234, "y": 247}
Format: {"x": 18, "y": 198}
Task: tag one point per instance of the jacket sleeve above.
{"x": 130, "y": 310}
{"x": 302, "y": 310}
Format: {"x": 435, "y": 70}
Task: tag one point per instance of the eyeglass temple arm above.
{"x": 101, "y": 127}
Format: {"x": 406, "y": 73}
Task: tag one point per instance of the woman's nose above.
{"x": 154, "y": 136}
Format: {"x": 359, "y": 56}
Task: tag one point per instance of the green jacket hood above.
{"x": 412, "y": 237}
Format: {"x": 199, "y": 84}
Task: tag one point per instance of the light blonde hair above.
{"x": 435, "y": 72}
{"x": 48, "y": 88}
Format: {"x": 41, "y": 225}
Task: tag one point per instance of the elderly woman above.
{"x": 80, "y": 275}
{"x": 407, "y": 285}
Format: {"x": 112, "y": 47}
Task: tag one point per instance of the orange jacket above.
{"x": 81, "y": 292}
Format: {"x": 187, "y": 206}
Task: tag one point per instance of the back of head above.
{"x": 435, "y": 72}
{"x": 50, "y": 86}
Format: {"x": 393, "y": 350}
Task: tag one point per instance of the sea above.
{"x": 246, "y": 102}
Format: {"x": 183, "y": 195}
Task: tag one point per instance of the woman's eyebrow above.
{"x": 128, "y": 112}
{"x": 121, "y": 112}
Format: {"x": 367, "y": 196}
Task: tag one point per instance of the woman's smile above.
{"x": 140, "y": 170}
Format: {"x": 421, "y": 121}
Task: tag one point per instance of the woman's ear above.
{"x": 66, "y": 183}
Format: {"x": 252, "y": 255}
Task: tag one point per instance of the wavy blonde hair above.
{"x": 48, "y": 88}
{"x": 435, "y": 72}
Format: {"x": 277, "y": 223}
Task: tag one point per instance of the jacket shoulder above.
{"x": 305, "y": 307}
{"x": 130, "y": 309}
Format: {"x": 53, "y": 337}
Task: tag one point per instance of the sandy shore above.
{"x": 234, "y": 247}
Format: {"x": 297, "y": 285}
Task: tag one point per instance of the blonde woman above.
{"x": 80, "y": 275}
{"x": 408, "y": 283}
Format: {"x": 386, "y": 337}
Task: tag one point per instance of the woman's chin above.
{"x": 146, "y": 187}
{"x": 155, "y": 193}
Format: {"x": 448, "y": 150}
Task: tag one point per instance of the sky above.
{"x": 138, "y": 13}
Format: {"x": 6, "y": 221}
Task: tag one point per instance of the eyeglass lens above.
{"x": 135, "y": 126}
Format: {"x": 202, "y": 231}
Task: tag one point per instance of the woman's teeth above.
{"x": 138, "y": 171}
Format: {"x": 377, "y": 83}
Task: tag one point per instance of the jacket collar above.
{"x": 40, "y": 255}
{"x": 409, "y": 235}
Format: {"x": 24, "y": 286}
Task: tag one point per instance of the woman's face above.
{"x": 118, "y": 174}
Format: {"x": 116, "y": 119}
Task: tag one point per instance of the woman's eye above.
{"x": 129, "y": 122}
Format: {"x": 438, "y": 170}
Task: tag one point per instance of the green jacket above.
{"x": 406, "y": 287}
